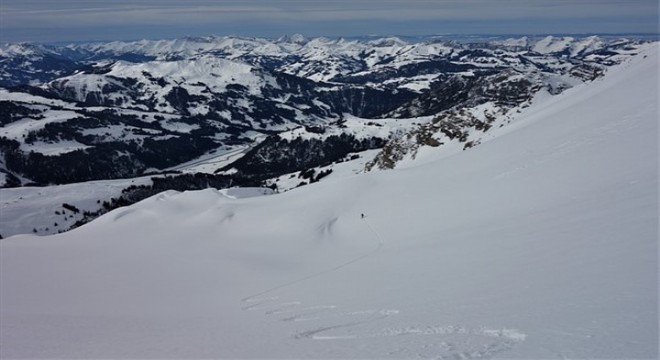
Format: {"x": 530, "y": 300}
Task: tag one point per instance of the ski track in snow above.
{"x": 430, "y": 341}
{"x": 327, "y": 228}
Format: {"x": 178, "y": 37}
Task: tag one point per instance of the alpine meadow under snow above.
{"x": 541, "y": 242}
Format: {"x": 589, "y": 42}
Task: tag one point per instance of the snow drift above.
{"x": 540, "y": 243}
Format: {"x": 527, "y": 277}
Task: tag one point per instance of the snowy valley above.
{"x": 462, "y": 201}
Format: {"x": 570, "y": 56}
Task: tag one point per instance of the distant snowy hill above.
{"x": 25, "y": 63}
{"x": 541, "y": 242}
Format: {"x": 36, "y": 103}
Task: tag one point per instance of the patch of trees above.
{"x": 71, "y": 208}
{"x": 108, "y": 160}
{"x": 460, "y": 91}
{"x": 313, "y": 176}
{"x": 180, "y": 99}
{"x": 365, "y": 102}
{"x": 11, "y": 111}
{"x": 143, "y": 145}
{"x": 102, "y": 162}
{"x": 276, "y": 156}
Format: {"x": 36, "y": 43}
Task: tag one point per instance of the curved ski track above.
{"x": 330, "y": 323}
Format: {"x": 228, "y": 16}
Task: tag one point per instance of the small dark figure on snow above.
{"x": 363, "y": 215}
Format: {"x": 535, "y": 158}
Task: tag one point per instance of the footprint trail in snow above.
{"x": 328, "y": 322}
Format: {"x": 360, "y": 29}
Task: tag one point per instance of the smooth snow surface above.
{"x": 540, "y": 243}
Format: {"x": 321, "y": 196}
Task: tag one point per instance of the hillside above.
{"x": 541, "y": 242}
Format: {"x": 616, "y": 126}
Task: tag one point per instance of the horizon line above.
{"x": 338, "y": 37}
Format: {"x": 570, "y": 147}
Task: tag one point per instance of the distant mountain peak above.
{"x": 293, "y": 39}
{"x": 388, "y": 41}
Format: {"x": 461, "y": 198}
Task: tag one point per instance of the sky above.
{"x": 83, "y": 20}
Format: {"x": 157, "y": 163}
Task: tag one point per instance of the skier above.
{"x": 363, "y": 215}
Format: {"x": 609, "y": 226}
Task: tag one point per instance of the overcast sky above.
{"x": 77, "y": 20}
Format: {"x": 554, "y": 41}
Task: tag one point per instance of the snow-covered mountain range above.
{"x": 232, "y": 111}
{"x": 540, "y": 240}
{"x": 122, "y": 109}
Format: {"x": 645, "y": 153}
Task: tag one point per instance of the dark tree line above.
{"x": 276, "y": 156}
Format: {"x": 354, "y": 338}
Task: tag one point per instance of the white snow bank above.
{"x": 243, "y": 193}
{"x": 58, "y": 148}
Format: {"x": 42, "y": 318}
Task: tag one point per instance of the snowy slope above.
{"x": 39, "y": 209}
{"x": 540, "y": 243}
{"x": 216, "y": 74}
{"x": 551, "y": 44}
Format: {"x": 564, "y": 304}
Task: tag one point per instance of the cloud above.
{"x": 246, "y": 16}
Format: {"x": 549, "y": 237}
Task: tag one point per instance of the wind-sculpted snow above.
{"x": 539, "y": 243}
